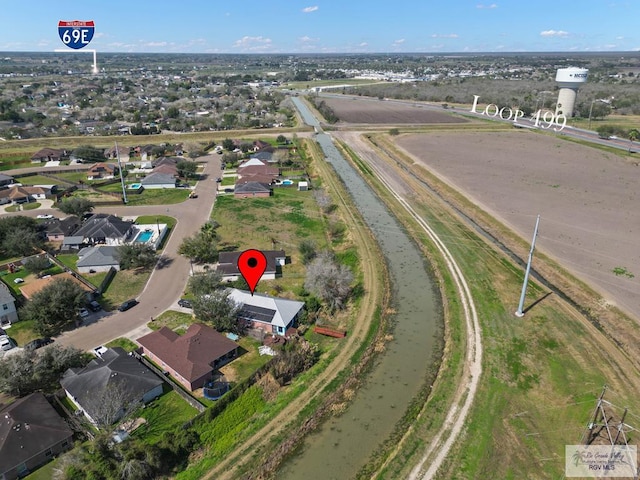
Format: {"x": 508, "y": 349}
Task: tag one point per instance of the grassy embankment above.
{"x": 317, "y": 389}
{"x": 542, "y": 373}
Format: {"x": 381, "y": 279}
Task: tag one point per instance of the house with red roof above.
{"x": 191, "y": 358}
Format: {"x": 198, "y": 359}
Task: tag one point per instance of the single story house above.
{"x": 252, "y": 189}
{"x": 99, "y": 258}
{"x": 8, "y": 312}
{"x": 6, "y": 180}
{"x": 49, "y": 155}
{"x": 264, "y": 156}
{"x": 271, "y": 314}
{"x": 31, "y": 434}
{"x": 73, "y": 242}
{"x": 57, "y": 230}
{"x": 113, "y": 153}
{"x": 159, "y": 180}
{"x": 20, "y": 194}
{"x": 190, "y": 358}
{"x": 228, "y": 264}
{"x": 102, "y": 228}
{"x": 102, "y": 170}
{"x": 114, "y": 369}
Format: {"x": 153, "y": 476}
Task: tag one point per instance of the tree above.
{"x": 137, "y": 255}
{"x": 203, "y": 283}
{"x": 329, "y": 281}
{"x": 77, "y": 206}
{"x": 282, "y": 139}
{"x": 114, "y": 401}
{"x": 19, "y": 236}
{"x": 55, "y": 306}
{"x": 307, "y": 249}
{"x": 203, "y": 246}
{"x": 228, "y": 144}
{"x": 633, "y": 135}
{"x": 186, "y": 168}
{"x": 89, "y": 154}
{"x": 24, "y": 373}
{"x": 37, "y": 264}
{"x": 217, "y": 309}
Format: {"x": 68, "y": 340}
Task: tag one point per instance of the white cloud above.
{"x": 363, "y": 44}
{"x": 310, "y": 9}
{"x": 398, "y": 42}
{"x": 154, "y": 44}
{"x": 253, "y": 44}
{"x": 445, "y": 35}
{"x": 482, "y": 6}
{"x": 554, "y": 33}
{"x": 307, "y": 39}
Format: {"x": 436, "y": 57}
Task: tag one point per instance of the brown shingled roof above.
{"x": 192, "y": 354}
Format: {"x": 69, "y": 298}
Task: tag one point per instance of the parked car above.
{"x": 94, "y": 306}
{"x": 228, "y": 190}
{"x": 98, "y": 351}
{"x": 218, "y": 180}
{"x": 38, "y": 343}
{"x": 44, "y": 216}
{"x": 83, "y": 312}
{"x": 127, "y": 305}
{"x": 6, "y": 343}
{"x": 18, "y": 280}
{"x": 185, "y": 303}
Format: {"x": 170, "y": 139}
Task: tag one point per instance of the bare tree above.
{"x": 111, "y": 403}
{"x": 329, "y": 281}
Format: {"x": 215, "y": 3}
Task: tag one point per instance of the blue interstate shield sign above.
{"x": 76, "y": 33}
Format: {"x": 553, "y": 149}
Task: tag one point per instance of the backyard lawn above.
{"x": 277, "y": 222}
{"x": 164, "y": 415}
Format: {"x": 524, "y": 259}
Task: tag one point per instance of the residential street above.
{"x": 167, "y": 283}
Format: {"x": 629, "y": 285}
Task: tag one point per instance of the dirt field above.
{"x": 588, "y": 199}
{"x": 356, "y": 110}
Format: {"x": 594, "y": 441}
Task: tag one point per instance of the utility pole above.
{"x": 124, "y": 190}
{"x": 519, "y": 312}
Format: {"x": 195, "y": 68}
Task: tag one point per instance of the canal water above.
{"x": 343, "y": 444}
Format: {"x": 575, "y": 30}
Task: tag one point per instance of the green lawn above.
{"x": 282, "y": 220}
{"x": 159, "y": 196}
{"x": 22, "y": 332}
{"x": 125, "y": 285}
{"x": 227, "y": 181}
{"x": 36, "y": 180}
{"x": 124, "y": 343}
{"x": 172, "y": 319}
{"x": 45, "y": 472}
{"x": 164, "y": 415}
{"x": 247, "y": 363}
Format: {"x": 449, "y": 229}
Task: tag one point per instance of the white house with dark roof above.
{"x": 159, "y": 180}
{"x": 228, "y": 264}
{"x": 8, "y": 312}
{"x": 105, "y": 229}
{"x": 99, "y": 258}
{"x": 271, "y": 314}
{"x": 114, "y": 369}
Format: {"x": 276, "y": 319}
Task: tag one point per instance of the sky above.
{"x": 328, "y": 26}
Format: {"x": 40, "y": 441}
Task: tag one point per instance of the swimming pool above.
{"x": 287, "y": 182}
{"x": 135, "y": 186}
{"x": 144, "y": 237}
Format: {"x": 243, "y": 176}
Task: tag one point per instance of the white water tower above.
{"x": 569, "y": 80}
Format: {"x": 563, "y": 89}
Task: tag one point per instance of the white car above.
{"x": 83, "y": 312}
{"x": 5, "y": 343}
{"x": 98, "y": 351}
{"x": 45, "y": 216}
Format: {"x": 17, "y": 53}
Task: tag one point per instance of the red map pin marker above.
{"x": 252, "y": 264}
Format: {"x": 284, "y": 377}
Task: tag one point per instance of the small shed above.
{"x": 303, "y": 186}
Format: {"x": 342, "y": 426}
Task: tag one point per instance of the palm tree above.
{"x": 634, "y": 134}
